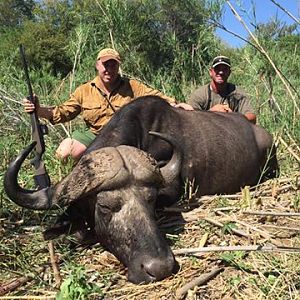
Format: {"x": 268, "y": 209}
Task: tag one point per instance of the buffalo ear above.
{"x": 171, "y": 170}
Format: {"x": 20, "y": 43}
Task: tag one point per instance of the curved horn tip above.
{"x": 160, "y": 135}
{"x": 172, "y": 169}
{"x": 11, "y": 185}
{"x": 167, "y": 138}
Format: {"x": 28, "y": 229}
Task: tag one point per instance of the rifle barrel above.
{"x": 41, "y": 177}
{"x": 25, "y": 65}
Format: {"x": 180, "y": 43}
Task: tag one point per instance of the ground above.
{"x": 267, "y": 215}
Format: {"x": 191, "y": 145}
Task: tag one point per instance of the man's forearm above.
{"x": 45, "y": 112}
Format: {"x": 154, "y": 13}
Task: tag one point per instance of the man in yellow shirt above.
{"x": 96, "y": 101}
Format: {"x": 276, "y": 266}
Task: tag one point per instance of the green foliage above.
{"x": 296, "y": 202}
{"x": 164, "y": 39}
{"x": 276, "y": 100}
{"x": 44, "y": 32}
{"x": 235, "y": 280}
{"x": 235, "y": 259}
{"x": 223, "y": 202}
{"x": 13, "y": 12}
{"x": 227, "y": 228}
{"x": 274, "y": 30}
{"x": 77, "y": 286}
{"x": 49, "y": 44}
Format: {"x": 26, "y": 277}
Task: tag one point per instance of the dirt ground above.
{"x": 241, "y": 246}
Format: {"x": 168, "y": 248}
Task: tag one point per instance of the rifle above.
{"x": 41, "y": 177}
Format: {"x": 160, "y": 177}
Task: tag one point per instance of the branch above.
{"x": 15, "y": 283}
{"x": 264, "y": 52}
{"x": 270, "y": 213}
{"x": 286, "y": 11}
{"x": 221, "y": 225}
{"x": 204, "y": 278}
{"x": 281, "y": 227}
{"x": 288, "y": 148}
{"x": 263, "y": 233}
{"x": 53, "y": 260}
{"x": 268, "y": 248}
{"x": 221, "y": 26}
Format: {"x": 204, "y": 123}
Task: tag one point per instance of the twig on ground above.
{"x": 281, "y": 227}
{"x": 47, "y": 297}
{"x": 54, "y": 264}
{"x": 267, "y": 248}
{"x": 253, "y": 191}
{"x": 263, "y": 233}
{"x": 271, "y": 213}
{"x": 261, "y": 193}
{"x": 15, "y": 283}
{"x": 204, "y": 278}
{"x": 221, "y": 225}
{"x": 229, "y": 208}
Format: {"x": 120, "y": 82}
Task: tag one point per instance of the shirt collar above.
{"x": 96, "y": 81}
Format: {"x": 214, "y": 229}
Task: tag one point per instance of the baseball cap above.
{"x": 221, "y": 60}
{"x": 107, "y": 54}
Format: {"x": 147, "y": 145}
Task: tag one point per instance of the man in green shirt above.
{"x": 220, "y": 95}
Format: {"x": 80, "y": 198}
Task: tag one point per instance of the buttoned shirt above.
{"x": 97, "y": 108}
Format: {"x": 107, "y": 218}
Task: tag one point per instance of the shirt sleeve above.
{"x": 199, "y": 98}
{"x": 144, "y": 90}
{"x": 68, "y": 110}
{"x": 245, "y": 105}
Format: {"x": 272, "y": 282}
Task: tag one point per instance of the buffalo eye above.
{"x": 109, "y": 205}
{"x": 149, "y": 194}
{"x": 104, "y": 209}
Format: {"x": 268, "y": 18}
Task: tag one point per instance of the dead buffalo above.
{"x": 112, "y": 192}
{"x": 221, "y": 152}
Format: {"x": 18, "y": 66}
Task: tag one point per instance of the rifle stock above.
{"x": 41, "y": 177}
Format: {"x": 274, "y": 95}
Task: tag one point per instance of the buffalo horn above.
{"x": 172, "y": 169}
{"x": 23, "y": 197}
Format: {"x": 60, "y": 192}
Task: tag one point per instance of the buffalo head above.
{"x": 110, "y": 195}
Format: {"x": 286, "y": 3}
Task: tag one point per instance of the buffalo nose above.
{"x": 157, "y": 269}
{"x": 145, "y": 269}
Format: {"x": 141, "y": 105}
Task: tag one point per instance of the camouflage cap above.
{"x": 107, "y": 54}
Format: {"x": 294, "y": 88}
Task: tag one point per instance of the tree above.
{"x": 164, "y": 37}
{"x": 14, "y": 12}
{"x": 274, "y": 30}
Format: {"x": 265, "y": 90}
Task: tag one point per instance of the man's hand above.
{"x": 30, "y": 106}
{"x": 221, "y": 108}
{"x": 184, "y": 106}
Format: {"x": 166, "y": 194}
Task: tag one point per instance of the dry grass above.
{"x": 194, "y": 223}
